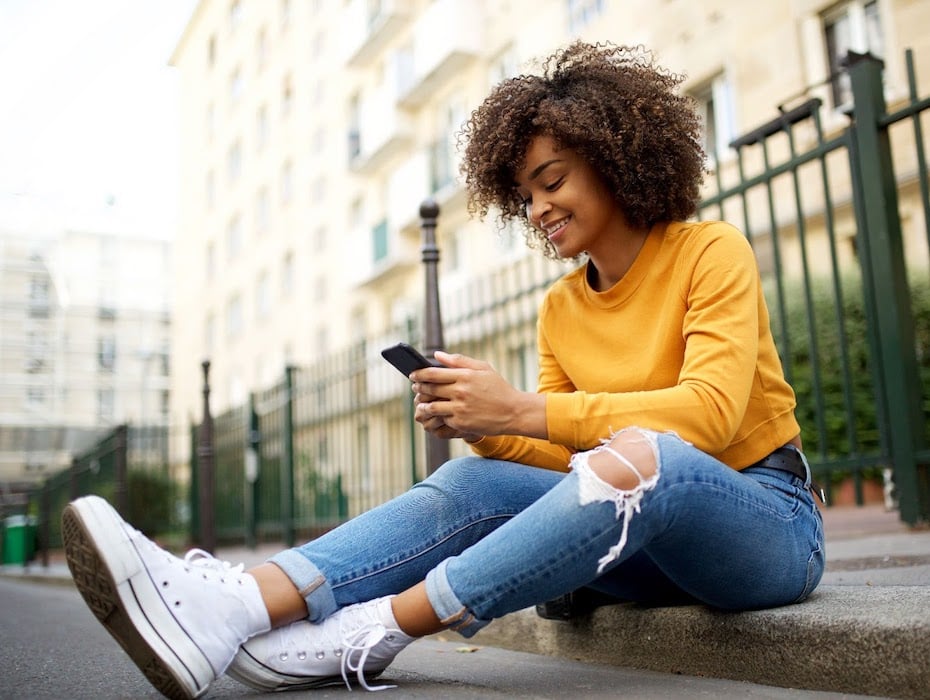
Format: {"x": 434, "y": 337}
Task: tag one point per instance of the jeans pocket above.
{"x": 816, "y": 562}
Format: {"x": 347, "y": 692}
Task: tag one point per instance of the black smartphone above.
{"x": 407, "y": 358}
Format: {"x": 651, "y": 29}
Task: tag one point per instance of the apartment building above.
{"x": 84, "y": 341}
{"x": 313, "y": 129}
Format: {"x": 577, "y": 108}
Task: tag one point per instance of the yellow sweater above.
{"x": 681, "y": 343}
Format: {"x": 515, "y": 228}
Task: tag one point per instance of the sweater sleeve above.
{"x": 524, "y": 450}
{"x": 719, "y": 286}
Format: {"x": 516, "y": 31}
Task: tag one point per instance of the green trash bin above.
{"x": 19, "y": 537}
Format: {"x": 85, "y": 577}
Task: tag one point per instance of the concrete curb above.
{"x": 855, "y": 639}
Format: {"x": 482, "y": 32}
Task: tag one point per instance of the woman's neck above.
{"x": 614, "y": 259}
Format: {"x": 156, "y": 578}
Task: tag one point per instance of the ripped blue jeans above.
{"x": 492, "y": 537}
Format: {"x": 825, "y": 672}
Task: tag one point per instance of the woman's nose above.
{"x": 535, "y": 210}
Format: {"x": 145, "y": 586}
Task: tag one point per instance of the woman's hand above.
{"x": 467, "y": 398}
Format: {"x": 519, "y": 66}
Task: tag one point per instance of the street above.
{"x": 53, "y": 647}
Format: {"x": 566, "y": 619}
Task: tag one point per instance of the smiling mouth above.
{"x": 554, "y": 228}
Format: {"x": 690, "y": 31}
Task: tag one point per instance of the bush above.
{"x": 832, "y": 371}
{"x": 150, "y": 501}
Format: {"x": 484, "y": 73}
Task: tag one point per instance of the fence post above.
{"x": 252, "y": 460}
{"x": 193, "y": 494}
{"x": 121, "y": 458}
{"x": 45, "y": 514}
{"x": 880, "y": 240}
{"x": 437, "y": 449}
{"x": 205, "y": 484}
{"x": 73, "y": 487}
{"x": 287, "y": 460}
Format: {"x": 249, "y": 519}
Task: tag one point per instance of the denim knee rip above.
{"x": 593, "y": 489}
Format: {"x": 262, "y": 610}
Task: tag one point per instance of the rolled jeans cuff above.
{"x": 310, "y": 583}
{"x": 448, "y": 608}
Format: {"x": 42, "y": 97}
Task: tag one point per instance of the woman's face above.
{"x": 568, "y": 201}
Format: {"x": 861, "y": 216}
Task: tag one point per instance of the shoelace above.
{"x": 363, "y": 640}
{"x": 201, "y": 559}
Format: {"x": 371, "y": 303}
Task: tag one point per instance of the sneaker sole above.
{"x": 250, "y": 671}
{"x": 111, "y": 577}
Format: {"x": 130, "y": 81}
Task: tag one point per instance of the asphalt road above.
{"x": 51, "y": 646}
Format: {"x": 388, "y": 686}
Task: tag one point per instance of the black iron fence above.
{"x": 129, "y": 468}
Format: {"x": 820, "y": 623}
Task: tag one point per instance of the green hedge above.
{"x": 849, "y": 422}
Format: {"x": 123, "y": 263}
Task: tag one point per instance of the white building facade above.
{"x": 85, "y": 327}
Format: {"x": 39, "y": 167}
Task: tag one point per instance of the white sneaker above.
{"x": 180, "y": 620}
{"x": 362, "y": 639}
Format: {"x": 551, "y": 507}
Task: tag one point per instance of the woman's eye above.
{"x": 554, "y": 185}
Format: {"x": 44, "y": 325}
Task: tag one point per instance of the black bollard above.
{"x": 206, "y": 494}
{"x": 437, "y": 449}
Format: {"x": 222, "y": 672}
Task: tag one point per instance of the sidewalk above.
{"x": 866, "y": 629}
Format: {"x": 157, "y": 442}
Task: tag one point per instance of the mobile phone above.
{"x": 407, "y": 358}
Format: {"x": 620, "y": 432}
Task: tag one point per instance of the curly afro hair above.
{"x": 610, "y": 104}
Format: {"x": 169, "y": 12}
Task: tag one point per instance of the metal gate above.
{"x": 822, "y": 212}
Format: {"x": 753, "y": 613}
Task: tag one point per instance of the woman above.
{"x": 659, "y": 461}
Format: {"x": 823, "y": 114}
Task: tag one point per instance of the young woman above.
{"x": 659, "y": 460}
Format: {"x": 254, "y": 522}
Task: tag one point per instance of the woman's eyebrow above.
{"x": 538, "y": 169}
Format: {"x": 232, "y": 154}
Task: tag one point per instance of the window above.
{"x": 36, "y": 351}
{"x": 319, "y": 190}
{"x": 263, "y": 295}
{"x": 262, "y": 209}
{"x": 716, "y": 109}
{"x": 261, "y": 49}
{"x": 320, "y": 289}
{"x": 209, "y": 334}
{"x": 379, "y": 241}
{"x": 287, "y": 274}
{"x": 235, "y": 15}
{"x": 452, "y": 252}
{"x": 504, "y": 66}
{"x": 39, "y": 295}
{"x": 106, "y": 300}
{"x": 261, "y": 127}
{"x": 357, "y": 214}
{"x": 236, "y": 86}
{"x": 210, "y": 260}
{"x": 105, "y": 404}
{"x": 106, "y": 353}
{"x": 853, "y": 26}
{"x": 287, "y": 182}
{"x": 287, "y": 96}
{"x": 234, "y": 162}
{"x": 509, "y": 236}
{"x": 210, "y": 190}
{"x": 316, "y": 49}
{"x": 322, "y": 341}
{"x": 319, "y": 239}
{"x": 355, "y": 134}
{"x": 234, "y": 237}
{"x": 234, "y": 316}
{"x": 210, "y": 121}
{"x": 582, "y": 12}
{"x": 35, "y": 396}
{"x": 442, "y": 156}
